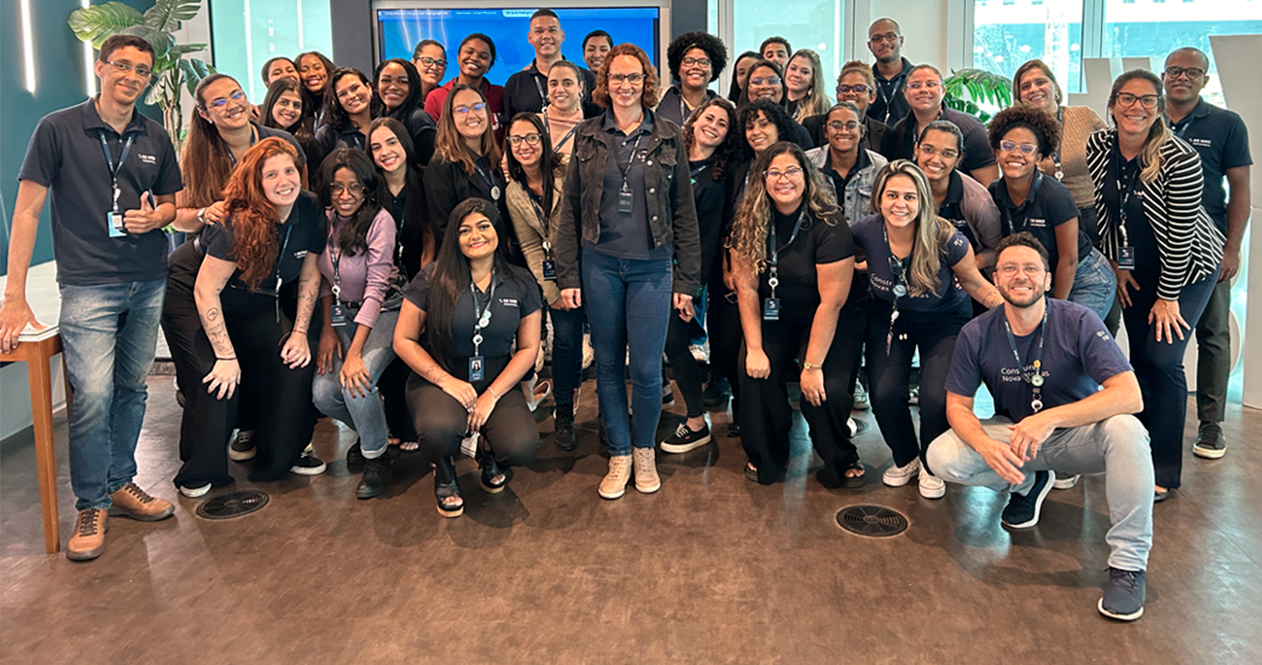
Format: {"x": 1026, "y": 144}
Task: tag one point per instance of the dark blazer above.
{"x": 873, "y": 131}
{"x": 447, "y": 184}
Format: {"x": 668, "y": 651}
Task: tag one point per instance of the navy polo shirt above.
{"x": 65, "y": 155}
{"x": 334, "y": 138}
{"x": 1048, "y": 205}
{"x": 951, "y": 211}
{"x": 1222, "y": 140}
{"x": 526, "y": 91}
{"x": 900, "y": 141}
{"x": 950, "y": 297}
{"x": 517, "y": 296}
{"x": 626, "y": 235}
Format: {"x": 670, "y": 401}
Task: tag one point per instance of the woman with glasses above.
{"x": 466, "y": 162}
{"x": 314, "y": 69}
{"x": 793, "y": 267}
{"x": 845, "y": 163}
{"x": 565, "y": 107}
{"x": 740, "y": 74}
{"x": 469, "y": 329}
{"x": 804, "y": 85}
{"x": 765, "y": 82}
{"x": 285, "y": 108}
{"x": 398, "y": 86}
{"x": 958, "y": 198}
{"x": 1164, "y": 248}
{"x": 696, "y": 59}
{"x": 349, "y": 107}
{"x": 357, "y": 291}
{"x": 921, "y": 272}
{"x": 855, "y": 84}
{"x": 430, "y": 59}
{"x": 226, "y": 325}
{"x": 1030, "y": 201}
{"x": 925, "y": 92}
{"x": 628, "y": 213}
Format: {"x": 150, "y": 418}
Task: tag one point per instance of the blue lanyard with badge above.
{"x": 898, "y": 269}
{"x": 114, "y": 219}
{"x": 495, "y": 189}
{"x": 1035, "y": 378}
{"x": 626, "y": 199}
{"x": 482, "y": 319}
{"x": 771, "y": 305}
{"x": 889, "y": 97}
{"x": 564, "y": 139}
{"x": 1060, "y": 118}
{"x": 1125, "y": 187}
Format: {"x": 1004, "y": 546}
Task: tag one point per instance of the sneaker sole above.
{"x": 87, "y": 555}
{"x": 1120, "y": 617}
{"x": 308, "y": 470}
{"x": 1038, "y": 510}
{"x": 900, "y": 480}
{"x": 119, "y": 511}
{"x": 242, "y": 456}
{"x": 1208, "y": 453}
{"x": 194, "y": 492}
{"x": 685, "y": 447}
{"x": 611, "y": 497}
{"x": 932, "y": 493}
{"x": 649, "y": 490}
{"x": 1066, "y": 483}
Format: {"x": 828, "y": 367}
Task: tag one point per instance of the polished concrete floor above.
{"x": 712, "y": 569}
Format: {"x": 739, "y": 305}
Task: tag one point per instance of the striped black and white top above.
{"x": 1190, "y": 247}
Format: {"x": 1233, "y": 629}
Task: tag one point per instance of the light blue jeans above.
{"x": 108, "y": 332}
{"x": 1116, "y": 446}
{"x": 1095, "y": 284}
{"x": 364, "y": 415}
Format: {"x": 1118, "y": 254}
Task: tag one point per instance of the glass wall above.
{"x": 1007, "y": 33}
{"x": 246, "y": 33}
{"x": 813, "y": 24}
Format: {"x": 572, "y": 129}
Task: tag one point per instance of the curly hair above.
{"x": 651, "y": 83}
{"x": 862, "y": 68}
{"x": 253, "y": 217}
{"x": 1044, "y": 126}
{"x": 354, "y": 236}
{"x": 1160, "y": 132}
{"x": 786, "y": 129}
{"x": 729, "y": 149}
{"x": 714, "y": 49}
{"x": 932, "y": 232}
{"x": 1034, "y": 64}
{"x": 754, "y": 216}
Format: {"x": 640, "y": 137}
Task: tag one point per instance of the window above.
{"x": 813, "y": 24}
{"x": 247, "y": 33}
{"x": 1006, "y": 34}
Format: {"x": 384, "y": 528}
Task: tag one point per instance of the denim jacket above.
{"x": 672, "y": 214}
{"x": 859, "y": 188}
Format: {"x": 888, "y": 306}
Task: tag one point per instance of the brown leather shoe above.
{"x": 88, "y": 541}
{"x": 131, "y": 501}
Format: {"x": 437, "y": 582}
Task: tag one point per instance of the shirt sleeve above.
{"x": 1101, "y": 356}
{"x": 1236, "y": 147}
{"x": 418, "y": 289}
{"x": 956, "y": 249}
{"x": 833, "y": 243}
{"x": 170, "y": 180}
{"x": 43, "y": 156}
{"x": 965, "y": 374}
{"x": 977, "y": 152}
{"x": 218, "y": 240}
{"x": 311, "y": 214}
{"x": 381, "y": 268}
{"x": 531, "y": 300}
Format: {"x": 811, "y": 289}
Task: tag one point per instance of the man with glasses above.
{"x": 885, "y": 40}
{"x": 1221, "y": 139}
{"x": 113, "y": 177}
{"x": 526, "y": 91}
{"x": 924, "y": 93}
{"x": 1044, "y": 362}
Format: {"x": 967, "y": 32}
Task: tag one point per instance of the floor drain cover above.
{"x": 233, "y": 504}
{"x": 872, "y": 521}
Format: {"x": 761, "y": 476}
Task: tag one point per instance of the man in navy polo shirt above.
{"x": 1044, "y": 362}
{"x": 526, "y": 91}
{"x": 113, "y": 177}
{"x": 1221, "y": 139}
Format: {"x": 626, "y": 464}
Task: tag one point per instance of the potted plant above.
{"x": 986, "y": 92}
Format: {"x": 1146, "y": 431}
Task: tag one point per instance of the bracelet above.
{"x": 201, "y": 215}
{"x": 808, "y": 365}
{"x": 495, "y": 394}
{"x": 225, "y": 359}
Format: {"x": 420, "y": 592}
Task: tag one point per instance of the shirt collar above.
{"x": 955, "y": 189}
{"x": 92, "y": 119}
{"x": 646, "y": 124}
{"x": 1003, "y": 191}
{"x": 904, "y": 72}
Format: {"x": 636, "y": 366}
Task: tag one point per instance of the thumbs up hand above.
{"x": 145, "y": 219}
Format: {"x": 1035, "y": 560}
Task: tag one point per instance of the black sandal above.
{"x": 854, "y": 482}
{"x": 446, "y": 488}
{"x": 494, "y": 480}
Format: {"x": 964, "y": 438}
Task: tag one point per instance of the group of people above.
{"x": 393, "y": 251}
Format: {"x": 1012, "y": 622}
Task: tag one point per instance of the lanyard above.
{"x": 109, "y": 161}
{"x": 254, "y": 137}
{"x": 400, "y": 219}
{"x": 543, "y": 96}
{"x": 565, "y": 138}
{"x": 899, "y": 271}
{"x": 279, "y": 258}
{"x": 1124, "y": 192}
{"x": 1060, "y": 117}
{"x": 1009, "y": 227}
{"x": 543, "y": 223}
{"x": 774, "y": 280}
{"x": 1035, "y": 379}
{"x": 335, "y": 257}
{"x": 1187, "y": 122}
{"x": 698, "y": 170}
{"x": 627, "y": 169}
{"x": 890, "y": 96}
{"x": 481, "y": 317}
{"x": 486, "y": 176}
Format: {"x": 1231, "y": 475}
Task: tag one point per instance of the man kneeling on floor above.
{"x": 1044, "y": 361}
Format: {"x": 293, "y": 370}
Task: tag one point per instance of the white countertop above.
{"x": 45, "y": 299}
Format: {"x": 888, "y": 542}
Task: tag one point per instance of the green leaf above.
{"x": 193, "y": 71}
{"x": 166, "y": 15}
{"x": 161, "y": 41}
{"x": 96, "y": 23}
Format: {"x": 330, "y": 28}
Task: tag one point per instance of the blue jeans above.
{"x": 109, "y": 332}
{"x": 1095, "y": 284}
{"x": 629, "y": 303}
{"x": 1117, "y": 447}
{"x": 567, "y": 353}
{"x": 364, "y": 415}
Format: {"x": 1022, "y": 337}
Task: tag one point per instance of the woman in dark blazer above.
{"x": 466, "y": 162}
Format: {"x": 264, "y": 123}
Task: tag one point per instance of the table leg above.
{"x": 45, "y": 456}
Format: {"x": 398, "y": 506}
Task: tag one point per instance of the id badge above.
{"x": 337, "y": 316}
{"x": 625, "y": 201}
{"x": 475, "y": 369}
{"x": 1126, "y": 258}
{"x": 771, "y": 309}
{"x": 550, "y": 270}
{"x": 114, "y": 222}
{"x": 469, "y": 444}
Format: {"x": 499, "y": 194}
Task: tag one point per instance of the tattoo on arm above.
{"x": 217, "y": 333}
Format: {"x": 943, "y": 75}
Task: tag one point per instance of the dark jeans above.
{"x": 441, "y": 422}
{"x": 629, "y": 303}
{"x": 1213, "y": 356}
{"x": 766, "y": 415}
{"x": 888, "y": 375}
{"x": 683, "y": 366}
{"x": 1159, "y": 369}
{"x": 567, "y": 353}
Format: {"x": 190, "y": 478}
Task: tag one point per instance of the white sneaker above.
{"x": 589, "y": 353}
{"x": 931, "y": 486}
{"x": 897, "y": 476}
{"x": 195, "y": 492}
{"x": 1065, "y": 483}
{"x": 853, "y": 427}
{"x": 860, "y": 397}
{"x": 700, "y": 352}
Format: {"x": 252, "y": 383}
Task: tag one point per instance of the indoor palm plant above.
{"x": 978, "y": 92}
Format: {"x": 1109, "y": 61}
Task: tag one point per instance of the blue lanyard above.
{"x": 109, "y": 161}
{"x": 254, "y": 137}
{"x": 1029, "y": 199}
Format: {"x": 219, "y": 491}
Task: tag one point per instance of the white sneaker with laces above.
{"x": 931, "y": 486}
{"x": 897, "y": 476}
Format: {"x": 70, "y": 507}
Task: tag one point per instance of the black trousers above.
{"x": 766, "y": 415}
{"x": 286, "y": 415}
{"x": 393, "y": 388}
{"x": 723, "y": 327}
{"x": 441, "y": 423}
{"x": 683, "y": 366}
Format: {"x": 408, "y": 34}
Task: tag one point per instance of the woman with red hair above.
{"x": 225, "y": 321}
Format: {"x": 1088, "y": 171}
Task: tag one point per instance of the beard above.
{"x": 1023, "y": 303}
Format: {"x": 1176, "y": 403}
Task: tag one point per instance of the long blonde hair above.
{"x": 816, "y": 100}
{"x": 753, "y": 218}
{"x": 1158, "y": 135}
{"x": 932, "y": 232}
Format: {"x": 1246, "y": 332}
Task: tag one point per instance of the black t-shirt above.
{"x": 818, "y": 242}
{"x": 1138, "y": 232}
{"x": 516, "y": 296}
{"x": 710, "y": 198}
{"x": 950, "y": 298}
{"x": 1048, "y": 205}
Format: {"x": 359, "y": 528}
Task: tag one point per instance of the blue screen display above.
{"x": 400, "y": 29}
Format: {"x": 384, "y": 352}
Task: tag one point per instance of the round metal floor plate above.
{"x": 233, "y": 504}
{"x": 872, "y": 521}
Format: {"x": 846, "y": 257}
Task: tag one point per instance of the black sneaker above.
{"x": 355, "y": 454}
{"x": 733, "y": 431}
{"x": 1022, "y": 512}
{"x": 563, "y": 433}
{"x": 242, "y": 446}
{"x": 308, "y": 464}
{"x": 1209, "y": 441}
{"x": 684, "y": 439}
{"x": 377, "y": 473}
{"x": 716, "y": 393}
{"x": 1123, "y": 595}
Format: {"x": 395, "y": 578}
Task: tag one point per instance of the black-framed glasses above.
{"x": 696, "y": 62}
{"x": 221, "y": 102}
{"x": 839, "y": 126}
{"x": 1191, "y": 72}
{"x": 633, "y": 77}
{"x": 791, "y": 173}
{"x": 427, "y": 62}
{"x": 124, "y": 67}
{"x": 1009, "y": 146}
{"x": 890, "y": 37}
{"x": 1146, "y": 101}
{"x": 858, "y": 89}
{"x": 530, "y": 139}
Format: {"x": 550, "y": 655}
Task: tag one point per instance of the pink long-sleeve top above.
{"x": 366, "y": 276}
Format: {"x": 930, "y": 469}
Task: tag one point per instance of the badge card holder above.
{"x": 469, "y": 444}
{"x": 114, "y": 219}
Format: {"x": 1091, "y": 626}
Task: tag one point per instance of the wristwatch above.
{"x": 808, "y": 365}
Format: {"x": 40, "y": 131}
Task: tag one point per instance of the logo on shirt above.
{"x": 1038, "y": 223}
{"x": 1201, "y": 143}
{"x": 508, "y": 302}
{"x": 148, "y": 159}
{"x": 300, "y": 254}
{"x": 1104, "y": 335}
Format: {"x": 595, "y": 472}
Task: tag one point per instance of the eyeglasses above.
{"x": 1146, "y": 101}
{"x": 929, "y": 151}
{"x": 355, "y": 189}
{"x": 839, "y": 126}
{"x": 890, "y": 37}
{"x": 1009, "y": 146}
{"x": 791, "y": 173}
{"x": 633, "y": 77}
{"x": 858, "y": 89}
{"x": 696, "y": 62}
{"x": 464, "y": 110}
{"x": 427, "y": 62}
{"x": 1192, "y": 72}
{"x": 765, "y": 80}
{"x": 1010, "y": 269}
{"x": 124, "y": 67}
{"x": 927, "y": 85}
{"x": 221, "y": 102}
{"x": 530, "y": 139}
